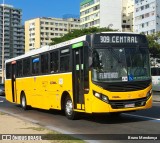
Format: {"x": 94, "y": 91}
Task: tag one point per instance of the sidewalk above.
{"x": 11, "y": 125}
{"x": 23, "y": 131}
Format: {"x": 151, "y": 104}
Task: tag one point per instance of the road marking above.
{"x": 139, "y": 116}
{"x": 1, "y": 101}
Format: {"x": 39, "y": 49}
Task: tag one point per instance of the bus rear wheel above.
{"x": 23, "y": 102}
{"x": 69, "y": 112}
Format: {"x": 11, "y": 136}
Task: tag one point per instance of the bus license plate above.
{"x": 129, "y": 105}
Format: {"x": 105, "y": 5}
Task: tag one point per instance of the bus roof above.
{"x": 48, "y": 48}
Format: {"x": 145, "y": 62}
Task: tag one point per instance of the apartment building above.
{"x": 101, "y": 13}
{"x": 13, "y": 32}
{"x": 127, "y": 15}
{"x": 40, "y": 31}
{"x": 147, "y": 16}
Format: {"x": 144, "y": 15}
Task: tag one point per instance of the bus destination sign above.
{"x": 118, "y": 39}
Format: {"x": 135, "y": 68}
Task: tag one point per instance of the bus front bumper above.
{"x": 121, "y": 106}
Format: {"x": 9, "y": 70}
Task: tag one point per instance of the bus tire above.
{"x": 68, "y": 107}
{"x": 23, "y": 102}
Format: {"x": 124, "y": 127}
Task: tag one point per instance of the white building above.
{"x": 127, "y": 15}
{"x": 147, "y": 16}
{"x": 101, "y": 13}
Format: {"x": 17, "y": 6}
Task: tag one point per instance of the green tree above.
{"x": 154, "y": 46}
{"x": 77, "y": 33}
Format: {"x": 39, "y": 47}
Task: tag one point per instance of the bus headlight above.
{"x": 105, "y": 99}
{"x": 101, "y": 96}
{"x": 98, "y": 95}
{"x": 149, "y": 93}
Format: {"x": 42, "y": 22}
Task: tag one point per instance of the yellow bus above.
{"x": 107, "y": 72}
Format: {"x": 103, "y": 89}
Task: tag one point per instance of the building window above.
{"x": 152, "y": 31}
{"x": 146, "y": 6}
{"x": 42, "y": 22}
{"x": 142, "y": 7}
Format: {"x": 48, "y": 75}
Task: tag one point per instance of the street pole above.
{"x": 3, "y": 48}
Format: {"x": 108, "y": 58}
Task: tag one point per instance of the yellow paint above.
{"x": 42, "y": 92}
{"x": 78, "y": 106}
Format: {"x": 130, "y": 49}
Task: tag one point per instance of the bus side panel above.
{"x": 25, "y": 85}
{"x": 8, "y": 90}
{"x": 49, "y": 90}
{"x": 57, "y": 84}
{"x": 45, "y": 91}
{"x": 42, "y": 91}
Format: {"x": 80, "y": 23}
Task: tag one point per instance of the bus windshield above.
{"x": 120, "y": 64}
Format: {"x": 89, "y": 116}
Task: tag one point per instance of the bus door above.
{"x": 78, "y": 75}
{"x": 13, "y": 81}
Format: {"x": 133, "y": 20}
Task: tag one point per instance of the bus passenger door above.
{"x": 78, "y": 77}
{"x": 13, "y": 81}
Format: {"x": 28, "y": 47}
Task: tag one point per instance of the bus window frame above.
{"x": 10, "y": 73}
{"x": 40, "y": 64}
{"x": 69, "y": 54}
{"x": 30, "y": 68}
{"x": 50, "y": 52}
{"x": 34, "y": 57}
{"x": 17, "y": 68}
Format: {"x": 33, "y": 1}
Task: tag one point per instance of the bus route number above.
{"x": 104, "y": 39}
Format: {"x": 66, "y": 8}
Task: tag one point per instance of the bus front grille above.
{"x": 116, "y": 104}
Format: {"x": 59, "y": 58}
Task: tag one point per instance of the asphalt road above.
{"x": 94, "y": 128}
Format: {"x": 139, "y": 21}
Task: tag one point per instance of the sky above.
{"x": 45, "y": 8}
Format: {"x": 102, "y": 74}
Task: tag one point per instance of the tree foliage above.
{"x": 78, "y": 33}
{"x": 154, "y": 45}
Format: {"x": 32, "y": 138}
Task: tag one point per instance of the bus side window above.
{"x": 44, "y": 63}
{"x": 26, "y": 67}
{"x": 65, "y": 59}
{"x": 64, "y": 66}
{"x": 19, "y": 68}
{"x": 54, "y": 62}
{"x": 35, "y": 66}
{"x": 8, "y": 70}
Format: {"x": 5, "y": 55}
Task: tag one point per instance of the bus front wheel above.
{"x": 69, "y": 112}
{"x": 23, "y": 102}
